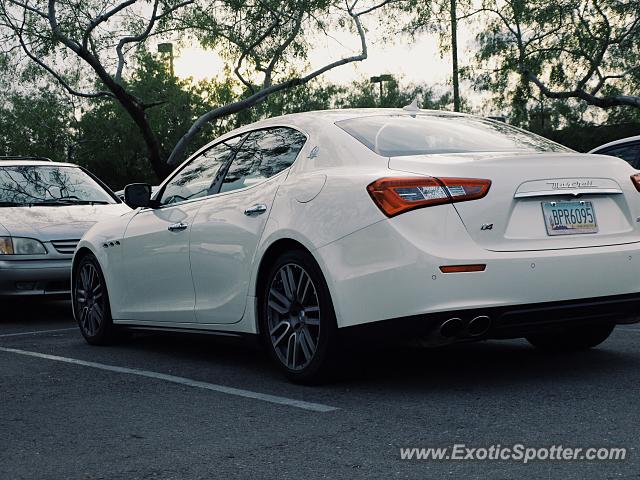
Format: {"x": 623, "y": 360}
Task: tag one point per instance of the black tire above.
{"x": 296, "y": 315}
{"x": 91, "y": 309}
{"x": 572, "y": 339}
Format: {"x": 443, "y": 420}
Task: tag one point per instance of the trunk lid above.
{"x": 511, "y": 217}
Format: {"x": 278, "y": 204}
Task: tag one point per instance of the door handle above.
{"x": 255, "y": 210}
{"x": 177, "y": 227}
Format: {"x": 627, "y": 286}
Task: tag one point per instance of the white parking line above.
{"x": 37, "y": 332}
{"x": 316, "y": 407}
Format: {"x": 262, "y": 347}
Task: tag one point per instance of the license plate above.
{"x": 568, "y": 218}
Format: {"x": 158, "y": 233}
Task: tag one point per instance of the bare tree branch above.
{"x": 103, "y": 18}
{"x": 179, "y": 150}
{"x": 145, "y": 34}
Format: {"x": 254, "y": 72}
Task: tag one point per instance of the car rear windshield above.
{"x": 401, "y": 135}
{"x": 49, "y": 185}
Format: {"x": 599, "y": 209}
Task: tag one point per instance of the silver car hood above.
{"x": 56, "y": 222}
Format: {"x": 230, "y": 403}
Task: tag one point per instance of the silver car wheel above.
{"x": 89, "y": 299}
{"x": 293, "y": 316}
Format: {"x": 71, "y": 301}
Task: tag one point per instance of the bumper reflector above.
{"x": 480, "y": 267}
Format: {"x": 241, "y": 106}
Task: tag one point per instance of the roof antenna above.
{"x": 413, "y": 106}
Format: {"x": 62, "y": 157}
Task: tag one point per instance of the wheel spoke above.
{"x": 291, "y": 350}
{"x": 278, "y": 308}
{"x": 94, "y": 321}
{"x": 292, "y": 282}
{"x": 281, "y": 298}
{"x": 90, "y": 277}
{"x": 83, "y": 317}
{"x": 84, "y": 279}
{"x": 284, "y": 276}
{"x": 302, "y": 296}
{"x": 89, "y": 323}
{"x": 98, "y": 311}
{"x": 312, "y": 321}
{"x": 305, "y": 345}
{"x": 283, "y": 323}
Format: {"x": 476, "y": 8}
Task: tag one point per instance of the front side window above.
{"x": 196, "y": 179}
{"x": 630, "y": 153}
{"x": 263, "y": 154}
{"x": 49, "y": 185}
{"x": 401, "y": 135}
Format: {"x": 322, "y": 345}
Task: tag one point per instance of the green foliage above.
{"x": 581, "y": 50}
{"x": 100, "y": 135}
{"x": 108, "y": 142}
{"x": 35, "y": 124}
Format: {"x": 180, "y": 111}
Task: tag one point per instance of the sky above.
{"x": 410, "y": 61}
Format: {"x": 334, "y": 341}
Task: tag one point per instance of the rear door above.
{"x": 228, "y": 227}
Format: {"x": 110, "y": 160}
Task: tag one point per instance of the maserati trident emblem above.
{"x": 487, "y": 226}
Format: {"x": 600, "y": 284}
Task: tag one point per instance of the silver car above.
{"x": 45, "y": 208}
{"x": 627, "y": 149}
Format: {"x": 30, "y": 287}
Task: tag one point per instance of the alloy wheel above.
{"x": 293, "y": 316}
{"x": 89, "y": 299}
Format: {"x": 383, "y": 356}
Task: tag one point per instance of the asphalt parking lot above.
{"x": 167, "y": 406}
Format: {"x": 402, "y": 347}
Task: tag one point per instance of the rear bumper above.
{"x": 35, "y": 277}
{"x": 512, "y": 321}
{"x": 391, "y": 270}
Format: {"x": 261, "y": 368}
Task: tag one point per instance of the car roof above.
{"x": 326, "y": 118}
{"x": 32, "y": 162}
{"x": 336, "y": 115}
{"x": 622, "y": 141}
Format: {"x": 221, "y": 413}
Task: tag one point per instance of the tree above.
{"x": 35, "y": 123}
{"x": 567, "y": 49}
{"x": 441, "y": 17}
{"x": 107, "y": 142}
{"x": 86, "y": 43}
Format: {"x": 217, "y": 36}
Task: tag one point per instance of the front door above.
{"x": 159, "y": 285}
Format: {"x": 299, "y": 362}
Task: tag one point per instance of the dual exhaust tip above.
{"x": 456, "y": 327}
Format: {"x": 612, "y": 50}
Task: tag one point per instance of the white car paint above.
{"x": 376, "y": 268}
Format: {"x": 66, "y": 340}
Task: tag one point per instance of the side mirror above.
{"x": 137, "y": 195}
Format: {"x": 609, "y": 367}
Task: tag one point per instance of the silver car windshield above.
{"x": 49, "y": 185}
{"x": 402, "y": 135}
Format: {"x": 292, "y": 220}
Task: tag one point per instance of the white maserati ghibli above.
{"x": 303, "y": 228}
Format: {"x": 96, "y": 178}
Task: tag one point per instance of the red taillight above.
{"x": 636, "y": 181}
{"x": 398, "y": 195}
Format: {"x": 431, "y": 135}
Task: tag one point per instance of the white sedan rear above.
{"x": 307, "y": 227}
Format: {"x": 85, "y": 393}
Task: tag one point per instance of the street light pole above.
{"x": 454, "y": 56}
{"x": 168, "y": 49}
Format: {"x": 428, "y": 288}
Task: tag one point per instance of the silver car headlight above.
{"x": 21, "y": 246}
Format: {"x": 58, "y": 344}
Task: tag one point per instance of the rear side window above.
{"x": 629, "y": 153}
{"x": 263, "y": 154}
{"x": 401, "y": 135}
